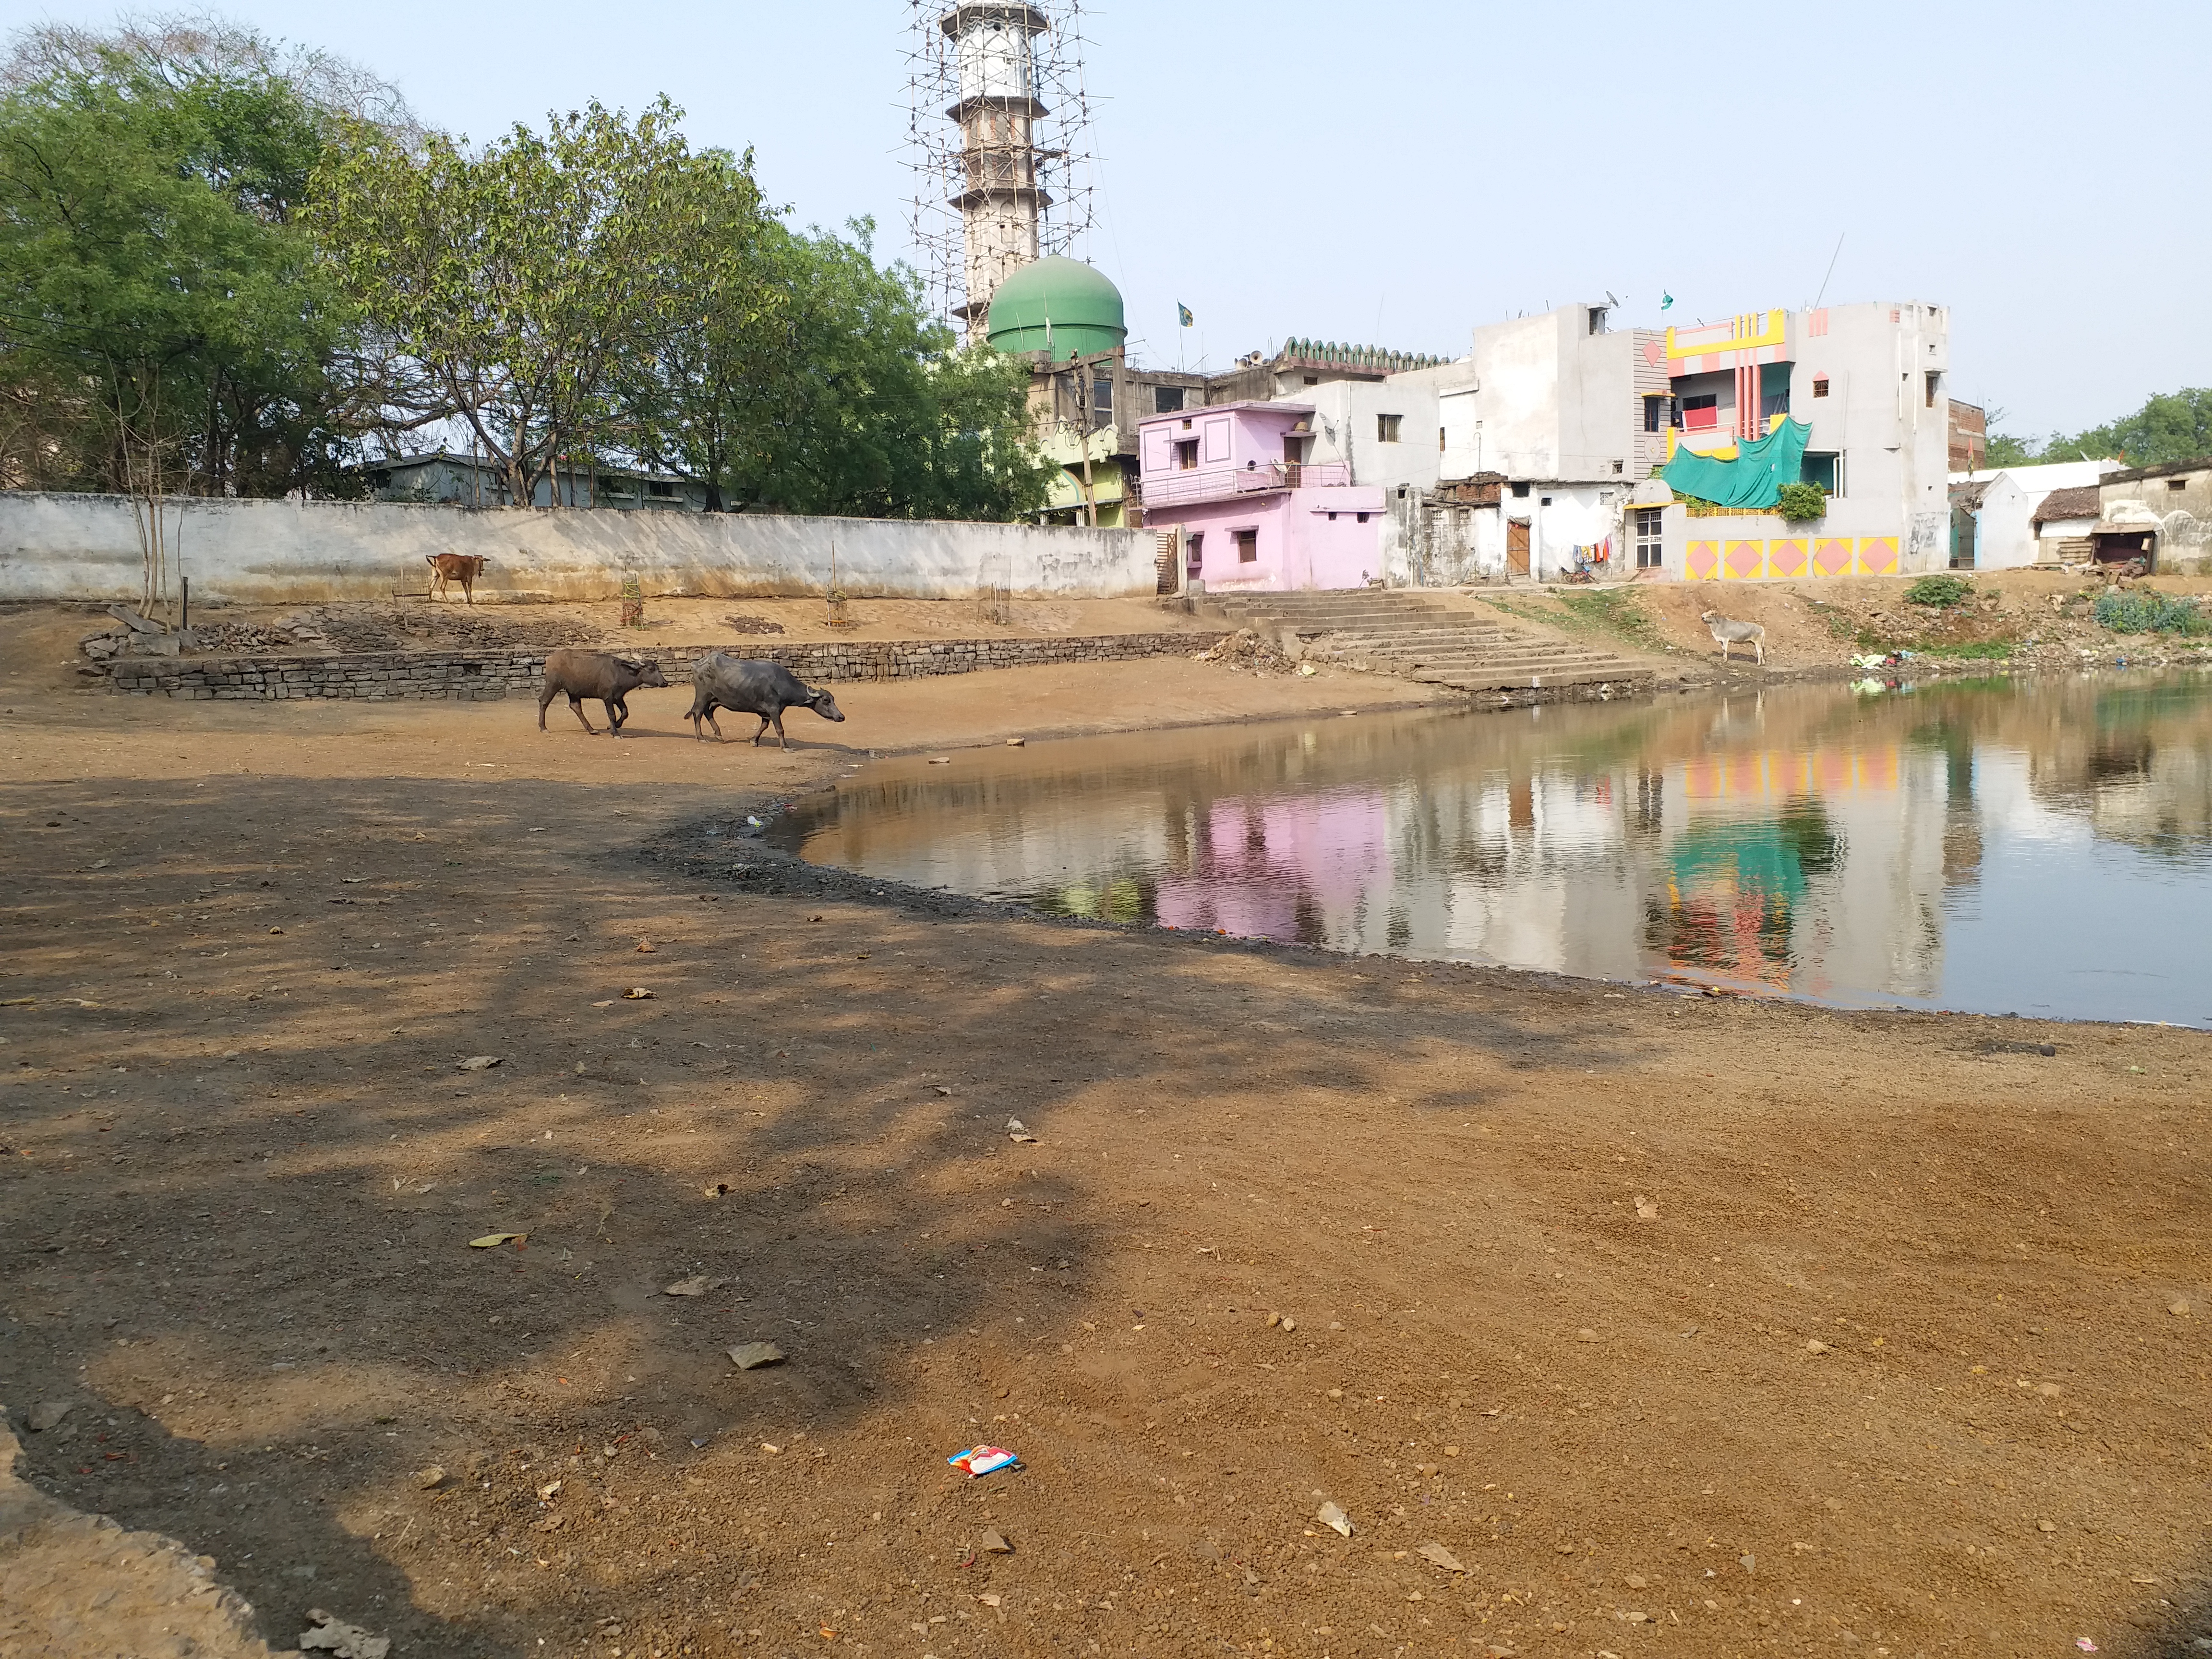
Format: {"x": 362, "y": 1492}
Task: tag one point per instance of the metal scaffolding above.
{"x": 1050, "y": 154}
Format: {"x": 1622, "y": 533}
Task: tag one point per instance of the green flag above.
{"x": 1182, "y": 311}
{"x": 1666, "y": 301}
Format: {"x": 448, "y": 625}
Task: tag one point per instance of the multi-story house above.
{"x": 1250, "y": 507}
{"x": 1534, "y": 457}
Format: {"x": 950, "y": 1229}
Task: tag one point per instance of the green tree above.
{"x": 156, "y": 301}
{"x": 830, "y": 388}
{"x": 2171, "y": 426}
{"x": 516, "y": 287}
{"x": 120, "y": 154}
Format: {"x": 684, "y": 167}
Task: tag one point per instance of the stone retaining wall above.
{"x": 482, "y": 676}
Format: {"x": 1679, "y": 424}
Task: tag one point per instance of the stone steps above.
{"x": 1392, "y": 632}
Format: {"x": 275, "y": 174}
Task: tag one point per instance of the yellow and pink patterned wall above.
{"x": 1734, "y": 559}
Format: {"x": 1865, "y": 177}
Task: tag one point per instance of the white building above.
{"x": 2003, "y": 518}
{"x": 1534, "y": 455}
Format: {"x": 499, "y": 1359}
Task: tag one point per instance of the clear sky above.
{"x": 1398, "y": 173}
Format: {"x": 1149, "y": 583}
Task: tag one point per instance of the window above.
{"x": 1821, "y": 386}
{"x": 656, "y": 488}
{"x": 2177, "y": 483}
{"x": 1194, "y": 550}
{"x": 1823, "y": 468}
{"x": 1655, "y": 414}
{"x": 1702, "y": 414}
{"x": 1167, "y": 400}
{"x": 1186, "y": 453}
{"x": 1520, "y": 491}
{"x": 1440, "y": 440}
{"x": 1102, "y": 395}
{"x": 1543, "y": 500}
{"x": 1332, "y": 518}
{"x": 1934, "y": 382}
{"x": 1247, "y": 545}
{"x": 1597, "y": 318}
{"x": 1313, "y": 379}
{"x": 1363, "y": 517}
{"x": 1647, "y": 545}
{"x": 1616, "y": 466}
{"x": 1386, "y": 428}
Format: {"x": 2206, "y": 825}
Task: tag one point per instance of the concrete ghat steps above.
{"x": 1391, "y": 631}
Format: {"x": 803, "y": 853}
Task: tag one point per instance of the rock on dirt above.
{"x": 77, "y": 1584}
{"x": 751, "y": 1356}
{"x": 329, "y": 1633}
{"x": 46, "y": 1414}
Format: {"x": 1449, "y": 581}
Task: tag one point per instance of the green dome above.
{"x": 1082, "y": 309}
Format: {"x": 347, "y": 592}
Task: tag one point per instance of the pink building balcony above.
{"x": 1256, "y": 478}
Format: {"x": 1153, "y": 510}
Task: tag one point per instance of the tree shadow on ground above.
{"x": 246, "y": 1254}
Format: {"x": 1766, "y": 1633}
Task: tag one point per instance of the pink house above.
{"x": 1254, "y": 512}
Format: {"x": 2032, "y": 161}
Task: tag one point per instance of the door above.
{"x": 1516, "y": 547}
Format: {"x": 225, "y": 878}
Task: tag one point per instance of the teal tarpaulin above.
{"x": 1754, "y": 478}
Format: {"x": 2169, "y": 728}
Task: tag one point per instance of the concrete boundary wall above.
{"x": 487, "y": 676}
{"x": 254, "y": 552}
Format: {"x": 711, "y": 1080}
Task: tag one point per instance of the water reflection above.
{"x": 2038, "y": 847}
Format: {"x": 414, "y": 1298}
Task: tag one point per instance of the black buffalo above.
{"x": 747, "y": 687}
{"x": 582, "y": 674}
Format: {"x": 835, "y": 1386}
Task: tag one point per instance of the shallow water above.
{"x": 2039, "y": 847}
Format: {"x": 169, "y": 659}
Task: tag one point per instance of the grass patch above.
{"x": 1616, "y": 612}
{"x": 1940, "y": 591}
{"x": 2143, "y": 611}
{"x": 1613, "y": 610}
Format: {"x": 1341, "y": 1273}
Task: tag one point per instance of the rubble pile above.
{"x": 1246, "y": 650}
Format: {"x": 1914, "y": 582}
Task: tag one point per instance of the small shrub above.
{"x": 1941, "y": 592}
{"x": 1801, "y": 503}
{"x": 2145, "y": 613}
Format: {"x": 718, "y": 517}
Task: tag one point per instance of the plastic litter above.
{"x": 1017, "y": 1132}
{"x": 1335, "y": 1519}
{"x": 980, "y": 1460}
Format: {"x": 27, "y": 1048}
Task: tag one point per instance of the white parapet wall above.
{"x": 255, "y": 552}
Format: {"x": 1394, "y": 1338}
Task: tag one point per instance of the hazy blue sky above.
{"x": 1402, "y": 172}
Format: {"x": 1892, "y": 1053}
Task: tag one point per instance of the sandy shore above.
{"x": 1614, "y": 1321}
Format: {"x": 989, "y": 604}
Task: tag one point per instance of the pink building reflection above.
{"x": 1257, "y": 867}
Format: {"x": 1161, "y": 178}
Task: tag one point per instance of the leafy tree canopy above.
{"x": 2171, "y": 426}
{"x": 162, "y": 323}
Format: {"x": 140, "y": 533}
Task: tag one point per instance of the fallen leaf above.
{"x": 1437, "y": 1555}
{"x": 493, "y": 1240}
